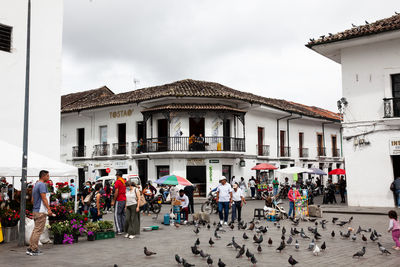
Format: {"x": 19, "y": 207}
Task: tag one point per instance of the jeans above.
{"x": 93, "y": 213}
{"x": 291, "y": 208}
{"x": 237, "y": 205}
{"x": 275, "y": 191}
{"x": 253, "y": 191}
{"x": 191, "y": 205}
{"x": 185, "y": 212}
{"x": 223, "y": 206}
{"x": 398, "y": 197}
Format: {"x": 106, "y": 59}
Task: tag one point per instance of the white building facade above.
{"x": 100, "y": 130}
{"x": 370, "y": 60}
{"x": 45, "y": 73}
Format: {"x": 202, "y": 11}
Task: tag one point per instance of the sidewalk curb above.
{"x": 354, "y": 212}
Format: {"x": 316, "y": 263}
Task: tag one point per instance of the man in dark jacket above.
{"x": 189, "y": 190}
{"x": 397, "y": 190}
{"x": 342, "y": 188}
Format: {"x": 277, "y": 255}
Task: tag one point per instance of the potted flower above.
{"x": 77, "y": 229}
{"x": 59, "y": 230}
{"x": 9, "y": 220}
{"x": 60, "y": 211}
{"x": 64, "y": 189}
{"x": 91, "y": 229}
{"x": 106, "y": 230}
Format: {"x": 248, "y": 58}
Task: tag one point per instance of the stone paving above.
{"x": 169, "y": 241}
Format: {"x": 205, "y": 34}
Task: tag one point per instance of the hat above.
{"x": 222, "y": 178}
{"x": 235, "y": 186}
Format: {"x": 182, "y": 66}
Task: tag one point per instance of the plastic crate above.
{"x": 105, "y": 235}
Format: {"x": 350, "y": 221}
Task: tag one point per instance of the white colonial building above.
{"x": 147, "y": 132}
{"x": 370, "y": 60}
{"x": 45, "y": 74}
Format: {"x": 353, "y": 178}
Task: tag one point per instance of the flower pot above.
{"x": 10, "y": 233}
{"x": 58, "y": 239}
{"x": 65, "y": 195}
{"x": 91, "y": 237}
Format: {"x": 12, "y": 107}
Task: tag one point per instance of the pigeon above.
{"x": 353, "y": 25}
{"x": 214, "y": 224}
{"x": 334, "y": 219}
{"x": 373, "y": 237}
{"x": 311, "y": 245}
{"x": 289, "y": 240}
{"x": 283, "y": 238}
{"x": 364, "y": 238}
{"x": 253, "y": 260}
{"x": 312, "y": 220}
{"x": 382, "y": 249}
{"x": 377, "y": 234}
{"x": 342, "y": 223}
{"x": 316, "y": 250}
{"x": 249, "y": 254}
{"x": 245, "y": 237}
{"x": 303, "y": 235}
{"x": 292, "y": 261}
{"x": 240, "y": 253}
{"x": 278, "y": 226}
{"x": 292, "y": 231}
{"x": 197, "y": 242}
{"x": 186, "y": 264}
{"x": 211, "y": 242}
{"x": 264, "y": 230}
{"x": 255, "y": 237}
{"x": 251, "y": 226}
{"x": 351, "y": 218}
{"x": 283, "y": 230}
{"x": 208, "y": 226}
{"x": 209, "y": 261}
{"x": 270, "y": 241}
{"x": 196, "y": 231}
{"x": 203, "y": 254}
{"x": 347, "y": 235}
{"x": 195, "y": 251}
{"x": 295, "y": 231}
{"x": 310, "y": 229}
{"x": 178, "y": 259}
{"x": 244, "y": 226}
{"x": 360, "y": 253}
{"x": 358, "y": 230}
{"x": 333, "y": 233}
{"x": 148, "y": 252}
{"x": 216, "y": 235}
{"x": 323, "y": 246}
{"x": 232, "y": 226}
{"x": 323, "y": 224}
{"x": 317, "y": 237}
{"x": 220, "y": 263}
{"x": 354, "y": 237}
{"x": 259, "y": 240}
{"x": 259, "y": 249}
{"x": 281, "y": 247}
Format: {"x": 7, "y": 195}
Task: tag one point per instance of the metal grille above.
{"x": 5, "y": 38}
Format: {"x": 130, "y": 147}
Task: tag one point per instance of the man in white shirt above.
{"x": 238, "y": 200}
{"x": 224, "y": 200}
{"x": 184, "y": 204}
{"x": 252, "y": 185}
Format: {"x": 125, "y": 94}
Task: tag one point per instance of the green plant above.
{"x": 106, "y": 225}
{"x": 9, "y": 217}
{"x": 61, "y": 228}
{"x": 92, "y": 227}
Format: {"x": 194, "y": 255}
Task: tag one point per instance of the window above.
{"x": 103, "y": 134}
{"x": 396, "y": 94}
{"x": 320, "y": 143}
{"x": 335, "y": 152}
{"x": 5, "y": 38}
{"x": 162, "y": 171}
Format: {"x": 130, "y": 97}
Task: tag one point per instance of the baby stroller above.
{"x": 273, "y": 205}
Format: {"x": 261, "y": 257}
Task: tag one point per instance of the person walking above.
{"x": 73, "y": 189}
{"x": 342, "y": 188}
{"x": 107, "y": 196}
{"x": 397, "y": 190}
{"x": 394, "y": 227}
{"x": 132, "y": 221}
{"x": 85, "y": 192}
{"x": 242, "y": 184}
{"x": 252, "y": 185}
{"x": 275, "y": 185}
{"x": 292, "y": 195}
{"x": 40, "y": 210}
{"x": 119, "y": 202}
{"x": 237, "y": 203}
{"x": 189, "y": 191}
{"x": 224, "y": 200}
{"x": 95, "y": 209}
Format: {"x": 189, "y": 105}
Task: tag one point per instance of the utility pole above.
{"x": 21, "y": 237}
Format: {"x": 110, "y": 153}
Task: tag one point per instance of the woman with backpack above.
{"x": 132, "y": 220}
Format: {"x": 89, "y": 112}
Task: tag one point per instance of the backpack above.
{"x": 392, "y": 187}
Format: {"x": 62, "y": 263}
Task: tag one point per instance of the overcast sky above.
{"x": 253, "y": 45}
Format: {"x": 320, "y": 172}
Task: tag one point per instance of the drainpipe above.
{"x": 277, "y": 132}
{"x": 287, "y": 128}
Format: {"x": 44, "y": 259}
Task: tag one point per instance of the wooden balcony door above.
{"x": 320, "y": 143}
{"x": 282, "y": 143}
{"x": 301, "y": 143}
{"x": 260, "y": 132}
{"x": 162, "y": 134}
{"x": 334, "y": 146}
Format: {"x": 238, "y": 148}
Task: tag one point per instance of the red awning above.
{"x": 337, "y": 172}
{"x": 264, "y": 166}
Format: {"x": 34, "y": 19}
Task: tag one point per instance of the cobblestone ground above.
{"x": 170, "y": 240}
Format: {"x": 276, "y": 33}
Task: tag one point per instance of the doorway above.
{"x": 227, "y": 172}
{"x": 321, "y": 149}
{"x": 396, "y": 173}
{"x": 260, "y": 134}
{"x": 140, "y": 130}
{"x": 142, "y": 169}
{"x": 196, "y": 126}
{"x": 162, "y": 134}
{"x": 103, "y": 172}
{"x": 227, "y": 135}
{"x": 301, "y": 144}
{"x": 197, "y": 175}
{"x": 121, "y": 139}
{"x": 282, "y": 143}
{"x": 81, "y": 137}
{"x": 81, "y": 177}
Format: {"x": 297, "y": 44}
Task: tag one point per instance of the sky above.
{"x": 255, "y": 46}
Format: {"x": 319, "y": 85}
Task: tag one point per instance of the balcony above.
{"x": 321, "y": 151}
{"x": 303, "y": 152}
{"x": 336, "y": 153}
{"x": 284, "y": 151}
{"x": 391, "y": 107}
{"x": 101, "y": 150}
{"x": 168, "y": 144}
{"x": 120, "y": 148}
{"x": 79, "y": 151}
{"x": 263, "y": 150}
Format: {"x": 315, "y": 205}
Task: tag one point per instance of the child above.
{"x": 394, "y": 226}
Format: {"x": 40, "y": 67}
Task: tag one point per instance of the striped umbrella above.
{"x": 173, "y": 180}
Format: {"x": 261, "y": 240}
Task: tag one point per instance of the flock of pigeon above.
{"x": 313, "y": 236}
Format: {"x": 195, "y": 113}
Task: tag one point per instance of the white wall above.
{"x": 45, "y": 81}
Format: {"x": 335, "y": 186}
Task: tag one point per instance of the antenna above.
{"x": 136, "y": 82}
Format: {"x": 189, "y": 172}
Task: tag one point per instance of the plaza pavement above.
{"x": 169, "y": 241}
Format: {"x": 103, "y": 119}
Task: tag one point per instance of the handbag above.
{"x": 142, "y": 201}
{"x": 88, "y": 198}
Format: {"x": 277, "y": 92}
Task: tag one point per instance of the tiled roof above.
{"x": 193, "y": 88}
{"x": 85, "y": 100}
{"x": 217, "y": 107}
{"x": 380, "y": 26}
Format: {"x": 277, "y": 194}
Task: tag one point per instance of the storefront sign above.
{"x": 121, "y": 164}
{"x": 195, "y": 162}
{"x": 394, "y": 146}
{"x": 102, "y": 165}
{"x": 121, "y": 113}
{"x": 214, "y": 160}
